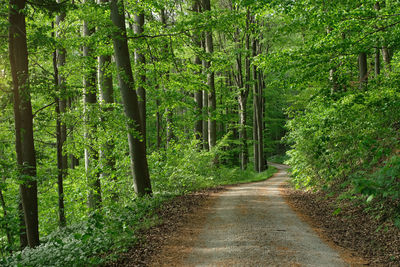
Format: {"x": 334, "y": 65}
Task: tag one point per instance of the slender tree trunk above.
{"x": 363, "y": 70}
{"x": 158, "y": 124}
{"x": 137, "y": 148}
{"x": 259, "y": 110}
{"x": 168, "y": 112}
{"x": 260, "y": 123}
{"x": 72, "y": 160}
{"x": 255, "y": 112}
{"x": 205, "y": 121}
{"x": 61, "y": 106}
{"x": 25, "y": 148}
{"x": 247, "y": 78}
{"x": 386, "y": 58}
{"x": 377, "y": 63}
{"x": 205, "y": 102}
{"x": 105, "y": 78}
{"x": 140, "y": 62}
{"x": 170, "y": 126}
{"x": 198, "y": 95}
{"x": 212, "y": 101}
{"x": 90, "y": 100}
{"x": 244, "y": 88}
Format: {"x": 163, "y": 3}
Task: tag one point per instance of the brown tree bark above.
{"x": 363, "y": 70}
{"x": 25, "y": 148}
{"x": 129, "y": 97}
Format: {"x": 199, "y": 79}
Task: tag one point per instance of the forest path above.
{"x": 248, "y": 225}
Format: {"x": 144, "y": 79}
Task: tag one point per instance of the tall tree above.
{"x": 168, "y": 110}
{"x": 61, "y": 131}
{"x": 363, "y": 69}
{"x": 105, "y": 78}
{"x": 129, "y": 97}
{"x": 212, "y": 101}
{"x": 198, "y": 94}
{"x": 24, "y": 142}
{"x": 140, "y": 62}
{"x": 243, "y": 84}
{"x": 90, "y": 100}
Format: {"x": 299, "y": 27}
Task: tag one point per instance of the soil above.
{"x": 175, "y": 216}
{"x": 261, "y": 224}
{"x": 352, "y": 231}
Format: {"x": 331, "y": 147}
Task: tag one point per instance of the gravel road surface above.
{"x": 250, "y": 225}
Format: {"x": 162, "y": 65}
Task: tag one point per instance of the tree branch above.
{"x": 42, "y": 108}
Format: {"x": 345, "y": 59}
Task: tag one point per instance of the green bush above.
{"x": 349, "y": 142}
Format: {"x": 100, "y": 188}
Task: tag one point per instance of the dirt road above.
{"x": 248, "y": 225}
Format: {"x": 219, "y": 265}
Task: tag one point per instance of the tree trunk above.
{"x": 158, "y": 123}
{"x": 212, "y": 101}
{"x": 90, "y": 100}
{"x": 377, "y": 63}
{"x": 23, "y": 238}
{"x": 168, "y": 112}
{"x": 205, "y": 121}
{"x": 61, "y": 105}
{"x": 25, "y": 148}
{"x": 363, "y": 70}
{"x": 198, "y": 95}
{"x": 205, "y": 102}
{"x": 107, "y": 99}
{"x": 386, "y": 58}
{"x": 260, "y": 123}
{"x": 140, "y": 62}
{"x": 255, "y": 112}
{"x": 243, "y": 131}
{"x": 137, "y": 148}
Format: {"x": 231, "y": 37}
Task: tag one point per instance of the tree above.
{"x": 105, "y": 77}
{"x": 212, "y": 102}
{"x": 129, "y": 97}
{"x": 140, "y": 62}
{"x": 90, "y": 100}
{"x": 23, "y": 117}
{"x": 61, "y": 129}
{"x": 198, "y": 95}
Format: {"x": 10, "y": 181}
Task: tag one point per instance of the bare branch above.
{"x": 42, "y": 108}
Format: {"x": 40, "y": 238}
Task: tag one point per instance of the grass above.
{"x": 236, "y": 176}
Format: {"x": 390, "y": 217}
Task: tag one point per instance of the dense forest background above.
{"x": 108, "y": 108}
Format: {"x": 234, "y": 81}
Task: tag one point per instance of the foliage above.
{"x": 115, "y": 228}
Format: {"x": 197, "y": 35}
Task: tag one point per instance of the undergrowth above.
{"x": 180, "y": 169}
{"x": 348, "y": 145}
